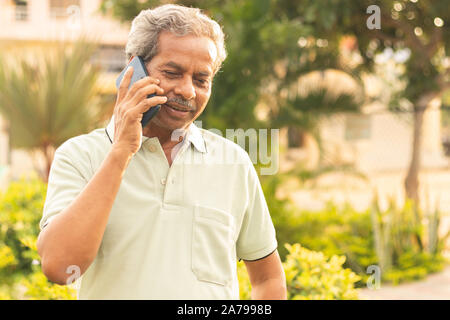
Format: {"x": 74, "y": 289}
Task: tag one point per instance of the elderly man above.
{"x": 141, "y": 215}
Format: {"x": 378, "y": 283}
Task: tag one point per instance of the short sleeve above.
{"x": 66, "y": 181}
{"x": 257, "y": 237}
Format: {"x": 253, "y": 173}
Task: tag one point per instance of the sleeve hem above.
{"x": 45, "y": 222}
{"x": 260, "y": 254}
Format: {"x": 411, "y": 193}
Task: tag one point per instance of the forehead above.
{"x": 187, "y": 51}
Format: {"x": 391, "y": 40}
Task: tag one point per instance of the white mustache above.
{"x": 191, "y": 106}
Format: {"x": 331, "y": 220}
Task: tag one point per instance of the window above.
{"x": 21, "y": 11}
{"x": 110, "y": 58}
{"x": 58, "y": 8}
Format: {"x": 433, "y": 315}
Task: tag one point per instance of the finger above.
{"x": 140, "y": 96}
{"x": 125, "y": 83}
{"x": 142, "y": 93}
{"x": 140, "y": 84}
{"x": 146, "y": 104}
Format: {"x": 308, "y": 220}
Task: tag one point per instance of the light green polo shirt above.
{"x": 173, "y": 232}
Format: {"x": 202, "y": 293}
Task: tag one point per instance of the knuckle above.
{"x": 140, "y": 92}
{"x": 147, "y": 90}
{"x": 136, "y": 86}
{"x": 133, "y": 89}
{"x": 151, "y": 88}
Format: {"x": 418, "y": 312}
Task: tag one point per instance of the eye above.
{"x": 171, "y": 73}
{"x": 202, "y": 82}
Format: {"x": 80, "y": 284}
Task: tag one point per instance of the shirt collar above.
{"x": 193, "y": 135}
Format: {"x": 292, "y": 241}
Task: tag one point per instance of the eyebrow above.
{"x": 176, "y": 66}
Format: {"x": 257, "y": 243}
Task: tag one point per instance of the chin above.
{"x": 169, "y": 125}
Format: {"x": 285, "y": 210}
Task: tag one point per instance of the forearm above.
{"x": 74, "y": 236}
{"x": 270, "y": 289}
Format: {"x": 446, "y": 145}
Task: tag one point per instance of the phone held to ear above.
{"x": 139, "y": 72}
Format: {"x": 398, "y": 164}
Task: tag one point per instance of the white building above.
{"x": 376, "y": 143}
{"x": 373, "y": 140}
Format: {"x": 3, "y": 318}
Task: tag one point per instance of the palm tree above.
{"x": 51, "y": 99}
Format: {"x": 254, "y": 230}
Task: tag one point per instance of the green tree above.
{"x": 420, "y": 27}
{"x": 50, "y": 99}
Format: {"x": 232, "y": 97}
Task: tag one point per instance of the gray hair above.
{"x": 181, "y": 21}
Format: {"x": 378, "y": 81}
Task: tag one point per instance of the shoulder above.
{"x": 85, "y": 151}
{"x": 84, "y": 144}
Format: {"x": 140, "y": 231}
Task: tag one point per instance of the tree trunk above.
{"x": 49, "y": 152}
{"x": 412, "y": 178}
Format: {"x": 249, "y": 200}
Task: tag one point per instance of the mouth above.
{"x": 177, "y": 107}
{"x": 177, "y": 111}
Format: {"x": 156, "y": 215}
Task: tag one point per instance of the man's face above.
{"x": 184, "y": 65}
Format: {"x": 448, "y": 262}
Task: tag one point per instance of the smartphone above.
{"x": 139, "y": 72}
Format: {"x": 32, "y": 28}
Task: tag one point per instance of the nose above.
{"x": 185, "y": 88}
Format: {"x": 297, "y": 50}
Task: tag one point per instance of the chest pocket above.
{"x": 212, "y": 245}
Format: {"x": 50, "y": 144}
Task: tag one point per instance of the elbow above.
{"x": 61, "y": 273}
{"x": 47, "y": 266}
{"x": 56, "y": 270}
{"x": 53, "y": 272}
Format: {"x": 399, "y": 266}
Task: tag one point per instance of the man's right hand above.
{"x": 73, "y": 236}
{"x": 130, "y": 106}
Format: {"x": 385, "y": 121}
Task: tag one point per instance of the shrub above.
{"x": 21, "y": 210}
{"x": 401, "y": 240}
{"x": 244, "y": 281}
{"x": 310, "y": 275}
{"x": 38, "y": 288}
{"x": 20, "y": 272}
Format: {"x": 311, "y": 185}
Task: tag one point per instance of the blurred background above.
{"x": 360, "y": 93}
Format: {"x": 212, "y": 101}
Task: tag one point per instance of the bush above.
{"x": 21, "y": 210}
{"x": 21, "y": 277}
{"x": 244, "y": 281}
{"x": 402, "y": 241}
{"x": 39, "y": 288}
{"x": 310, "y": 275}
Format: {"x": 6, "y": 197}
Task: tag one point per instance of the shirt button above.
{"x": 152, "y": 148}
{"x": 163, "y": 181}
